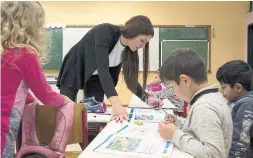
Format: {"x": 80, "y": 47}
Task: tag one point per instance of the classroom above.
{"x": 220, "y": 31}
{"x": 228, "y": 17}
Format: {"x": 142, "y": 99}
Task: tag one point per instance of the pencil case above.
{"x": 94, "y": 106}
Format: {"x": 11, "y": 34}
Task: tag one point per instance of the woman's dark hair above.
{"x": 137, "y": 25}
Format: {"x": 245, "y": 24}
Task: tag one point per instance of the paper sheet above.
{"x": 146, "y": 115}
{"x": 137, "y": 141}
{"x": 136, "y": 102}
{"x": 168, "y": 104}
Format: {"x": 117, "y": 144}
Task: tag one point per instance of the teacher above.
{"x": 94, "y": 63}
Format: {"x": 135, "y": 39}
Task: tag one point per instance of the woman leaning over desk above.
{"x": 94, "y": 63}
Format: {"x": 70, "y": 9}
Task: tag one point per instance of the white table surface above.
{"x": 103, "y": 117}
{"x": 113, "y": 127}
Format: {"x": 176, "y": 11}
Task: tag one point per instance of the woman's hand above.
{"x": 118, "y": 111}
{"x": 150, "y": 93}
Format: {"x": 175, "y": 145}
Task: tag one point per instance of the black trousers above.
{"x": 93, "y": 87}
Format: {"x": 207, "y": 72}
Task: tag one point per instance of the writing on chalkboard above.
{"x": 54, "y": 54}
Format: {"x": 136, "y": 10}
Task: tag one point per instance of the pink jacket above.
{"x": 155, "y": 87}
{"x": 21, "y": 71}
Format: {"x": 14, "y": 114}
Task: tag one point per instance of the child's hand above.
{"x": 166, "y": 131}
{"x": 170, "y": 118}
{"x": 155, "y": 103}
{"x": 150, "y": 93}
{"x": 66, "y": 99}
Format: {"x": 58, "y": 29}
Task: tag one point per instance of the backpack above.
{"x": 94, "y": 106}
{"x": 56, "y": 149}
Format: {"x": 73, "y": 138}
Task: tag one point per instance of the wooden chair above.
{"x": 46, "y": 122}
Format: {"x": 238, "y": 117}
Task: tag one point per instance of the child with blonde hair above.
{"x": 23, "y": 44}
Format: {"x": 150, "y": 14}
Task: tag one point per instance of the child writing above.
{"x": 159, "y": 90}
{"x": 207, "y": 131}
{"x": 23, "y": 45}
{"x": 236, "y": 79}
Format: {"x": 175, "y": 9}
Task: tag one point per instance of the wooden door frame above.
{"x": 249, "y": 20}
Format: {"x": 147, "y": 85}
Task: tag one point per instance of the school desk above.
{"x": 113, "y": 127}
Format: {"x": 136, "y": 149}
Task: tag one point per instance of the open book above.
{"x": 136, "y": 141}
{"x": 136, "y": 102}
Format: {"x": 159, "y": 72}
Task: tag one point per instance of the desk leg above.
{"x": 84, "y": 144}
{"x": 101, "y": 127}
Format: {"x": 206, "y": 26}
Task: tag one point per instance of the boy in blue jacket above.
{"x": 236, "y": 79}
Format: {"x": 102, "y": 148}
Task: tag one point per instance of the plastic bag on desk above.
{"x": 94, "y": 106}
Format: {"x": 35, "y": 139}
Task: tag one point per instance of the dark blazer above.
{"x": 91, "y": 53}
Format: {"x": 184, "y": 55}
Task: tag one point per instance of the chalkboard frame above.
{"x": 187, "y": 26}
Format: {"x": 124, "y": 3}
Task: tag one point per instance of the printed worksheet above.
{"x": 137, "y": 141}
{"x": 148, "y": 115}
{"x": 136, "y": 102}
{"x": 144, "y": 130}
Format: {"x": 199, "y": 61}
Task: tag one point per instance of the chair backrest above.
{"x": 46, "y": 123}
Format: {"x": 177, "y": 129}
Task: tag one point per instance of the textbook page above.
{"x": 148, "y": 115}
{"x": 136, "y": 102}
{"x": 137, "y": 141}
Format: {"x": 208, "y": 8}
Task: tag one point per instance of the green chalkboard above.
{"x": 54, "y": 57}
{"x": 201, "y": 47}
{"x": 194, "y": 38}
{"x": 184, "y": 33}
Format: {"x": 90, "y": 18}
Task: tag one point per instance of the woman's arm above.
{"x": 141, "y": 93}
{"x": 103, "y": 39}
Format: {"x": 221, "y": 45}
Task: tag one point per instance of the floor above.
{"x": 72, "y": 154}
{"x": 73, "y": 151}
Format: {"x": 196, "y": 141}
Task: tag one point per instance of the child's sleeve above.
{"x": 241, "y": 123}
{"x": 29, "y": 98}
{"x": 36, "y": 81}
{"x": 207, "y": 140}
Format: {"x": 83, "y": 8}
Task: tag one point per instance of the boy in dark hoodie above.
{"x": 250, "y": 150}
{"x": 236, "y": 79}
